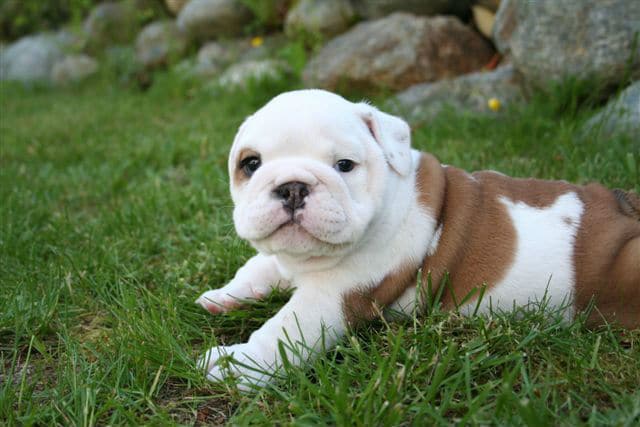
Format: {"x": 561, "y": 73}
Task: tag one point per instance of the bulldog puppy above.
{"x": 341, "y": 208}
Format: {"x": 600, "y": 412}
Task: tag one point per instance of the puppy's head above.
{"x": 309, "y": 172}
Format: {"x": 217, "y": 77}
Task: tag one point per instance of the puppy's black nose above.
{"x": 292, "y": 194}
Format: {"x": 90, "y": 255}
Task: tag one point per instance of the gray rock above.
{"x": 550, "y": 40}
{"x": 73, "y": 68}
{"x": 319, "y": 17}
{"x": 398, "y": 51}
{"x": 371, "y": 9}
{"x": 160, "y": 43}
{"x": 466, "y": 94}
{"x": 504, "y": 25}
{"x": 30, "y": 58}
{"x": 110, "y": 23}
{"x": 240, "y": 74}
{"x": 620, "y": 116}
{"x": 208, "y": 19}
{"x": 213, "y": 57}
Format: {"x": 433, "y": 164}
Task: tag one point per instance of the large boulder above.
{"x": 209, "y": 19}
{"x": 73, "y": 68}
{"x": 111, "y": 23}
{"x": 30, "y": 58}
{"x": 620, "y": 116}
{"x": 160, "y": 43}
{"x": 398, "y": 51}
{"x": 475, "y": 93}
{"x": 551, "y": 40}
{"x": 319, "y": 17}
{"x": 368, "y": 9}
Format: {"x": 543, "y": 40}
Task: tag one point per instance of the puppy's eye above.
{"x": 250, "y": 164}
{"x": 345, "y": 165}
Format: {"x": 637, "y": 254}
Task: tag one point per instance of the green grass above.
{"x": 116, "y": 216}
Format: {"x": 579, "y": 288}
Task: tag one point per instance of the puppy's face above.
{"x": 310, "y": 170}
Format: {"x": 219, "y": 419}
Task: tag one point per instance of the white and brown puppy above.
{"x": 341, "y": 208}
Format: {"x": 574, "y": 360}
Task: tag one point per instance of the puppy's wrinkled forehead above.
{"x": 300, "y": 123}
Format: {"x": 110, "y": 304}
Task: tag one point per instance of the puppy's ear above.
{"x": 392, "y": 134}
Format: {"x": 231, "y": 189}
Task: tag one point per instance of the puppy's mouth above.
{"x": 295, "y": 222}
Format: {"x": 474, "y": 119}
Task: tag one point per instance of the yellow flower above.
{"x": 494, "y": 104}
{"x": 257, "y": 41}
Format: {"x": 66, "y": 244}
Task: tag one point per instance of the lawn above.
{"x": 116, "y": 216}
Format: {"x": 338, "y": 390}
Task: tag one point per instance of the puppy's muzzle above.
{"x": 292, "y": 195}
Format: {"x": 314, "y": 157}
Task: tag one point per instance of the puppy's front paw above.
{"x": 231, "y": 296}
{"x": 243, "y": 362}
{"x": 218, "y": 301}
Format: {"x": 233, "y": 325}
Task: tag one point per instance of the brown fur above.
{"x": 365, "y": 304}
{"x": 478, "y": 241}
{"x": 239, "y": 176}
{"x": 629, "y": 203}
{"x": 607, "y": 259}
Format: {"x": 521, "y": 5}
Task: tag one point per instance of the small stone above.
{"x": 240, "y": 74}
{"x": 209, "y": 19}
{"x": 73, "y": 69}
{"x": 160, "y": 43}
{"x": 213, "y": 57}
{"x": 484, "y": 20}
{"x": 324, "y": 18}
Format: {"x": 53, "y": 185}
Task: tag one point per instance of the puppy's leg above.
{"x": 254, "y": 280}
{"x": 309, "y": 323}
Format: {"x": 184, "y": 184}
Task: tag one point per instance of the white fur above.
{"x": 543, "y": 265}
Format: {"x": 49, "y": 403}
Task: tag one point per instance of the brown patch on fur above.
{"x": 239, "y": 176}
{"x": 478, "y": 240}
{"x": 430, "y": 184}
{"x": 607, "y": 258}
{"x": 365, "y": 304}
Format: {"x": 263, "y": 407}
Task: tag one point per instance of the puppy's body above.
{"x": 341, "y": 208}
{"x": 530, "y": 240}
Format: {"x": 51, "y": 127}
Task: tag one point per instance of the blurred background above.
{"x": 479, "y": 56}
